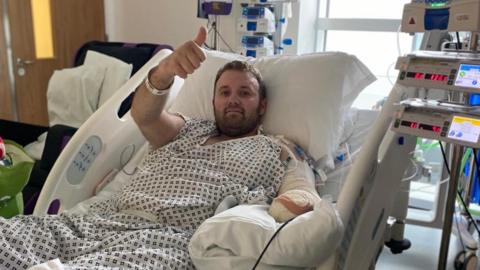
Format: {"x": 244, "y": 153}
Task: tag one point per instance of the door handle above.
{"x": 21, "y": 66}
{"x": 21, "y": 62}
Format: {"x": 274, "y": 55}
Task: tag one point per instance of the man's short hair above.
{"x": 244, "y": 67}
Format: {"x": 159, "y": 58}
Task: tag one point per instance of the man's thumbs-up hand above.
{"x": 183, "y": 61}
{"x": 201, "y": 36}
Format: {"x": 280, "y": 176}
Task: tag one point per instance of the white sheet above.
{"x": 54, "y": 264}
{"x": 235, "y": 238}
{"x": 357, "y": 126}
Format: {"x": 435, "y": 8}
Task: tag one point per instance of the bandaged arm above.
{"x": 297, "y": 194}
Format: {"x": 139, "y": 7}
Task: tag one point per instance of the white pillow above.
{"x": 236, "y": 237}
{"x": 307, "y": 95}
{"x": 195, "y": 96}
{"x": 72, "y": 94}
{"x": 116, "y": 74}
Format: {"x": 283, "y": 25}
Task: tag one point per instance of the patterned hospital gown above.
{"x": 148, "y": 224}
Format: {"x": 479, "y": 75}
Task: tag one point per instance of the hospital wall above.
{"x": 175, "y": 21}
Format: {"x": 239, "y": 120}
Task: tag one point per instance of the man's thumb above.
{"x": 201, "y": 36}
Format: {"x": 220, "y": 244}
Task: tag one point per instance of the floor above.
{"x": 423, "y": 254}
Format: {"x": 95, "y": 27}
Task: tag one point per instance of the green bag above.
{"x": 13, "y": 179}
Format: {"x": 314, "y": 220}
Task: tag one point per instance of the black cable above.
{"x": 212, "y": 26}
{"x": 226, "y": 43}
{"x": 458, "y": 41}
{"x": 210, "y": 30}
{"x": 463, "y": 202}
{"x": 478, "y": 175}
{"x": 448, "y": 170}
{"x": 467, "y": 211}
{"x": 206, "y": 46}
{"x": 444, "y": 157}
{"x": 269, "y": 242}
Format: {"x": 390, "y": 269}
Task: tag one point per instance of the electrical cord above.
{"x": 269, "y": 242}
{"x": 467, "y": 211}
{"x": 399, "y": 54}
{"x": 478, "y": 174}
{"x": 427, "y": 187}
{"x": 459, "y": 47}
{"x": 414, "y": 174}
{"x": 472, "y": 220}
{"x": 448, "y": 170}
{"x": 388, "y": 74}
{"x": 221, "y": 37}
{"x": 210, "y": 26}
{"x": 213, "y": 27}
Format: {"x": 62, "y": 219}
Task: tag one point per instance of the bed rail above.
{"x": 104, "y": 143}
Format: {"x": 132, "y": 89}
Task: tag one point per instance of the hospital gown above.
{"x": 148, "y": 224}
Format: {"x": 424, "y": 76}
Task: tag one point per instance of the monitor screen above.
{"x": 468, "y": 76}
{"x": 464, "y": 129}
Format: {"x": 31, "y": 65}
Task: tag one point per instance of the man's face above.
{"x": 237, "y": 104}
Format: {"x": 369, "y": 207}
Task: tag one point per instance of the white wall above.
{"x": 158, "y": 21}
{"x": 175, "y": 21}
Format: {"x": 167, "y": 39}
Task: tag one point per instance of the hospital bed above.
{"x": 105, "y": 150}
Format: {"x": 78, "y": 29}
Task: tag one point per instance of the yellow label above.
{"x": 461, "y": 120}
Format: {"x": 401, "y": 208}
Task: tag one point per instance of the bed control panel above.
{"x": 435, "y": 120}
{"x": 83, "y": 160}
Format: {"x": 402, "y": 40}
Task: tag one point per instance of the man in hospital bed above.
{"x": 191, "y": 166}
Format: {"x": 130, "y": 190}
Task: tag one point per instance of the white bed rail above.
{"x": 104, "y": 143}
{"x": 366, "y": 199}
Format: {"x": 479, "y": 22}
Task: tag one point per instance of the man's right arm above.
{"x": 157, "y": 125}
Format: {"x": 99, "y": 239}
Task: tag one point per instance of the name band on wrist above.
{"x": 152, "y": 89}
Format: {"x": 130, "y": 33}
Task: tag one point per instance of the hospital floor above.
{"x": 423, "y": 254}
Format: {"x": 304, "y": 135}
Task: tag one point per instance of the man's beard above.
{"x": 236, "y": 124}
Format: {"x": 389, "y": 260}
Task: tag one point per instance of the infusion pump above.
{"x": 435, "y": 120}
{"x": 448, "y": 15}
{"x": 449, "y": 122}
{"x": 440, "y": 70}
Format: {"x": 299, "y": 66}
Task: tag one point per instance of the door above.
{"x": 72, "y": 23}
{"x": 6, "y": 100}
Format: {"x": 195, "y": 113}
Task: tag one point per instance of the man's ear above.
{"x": 262, "y": 107}
{"x": 213, "y": 98}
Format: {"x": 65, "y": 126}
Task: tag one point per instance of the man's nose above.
{"x": 233, "y": 100}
